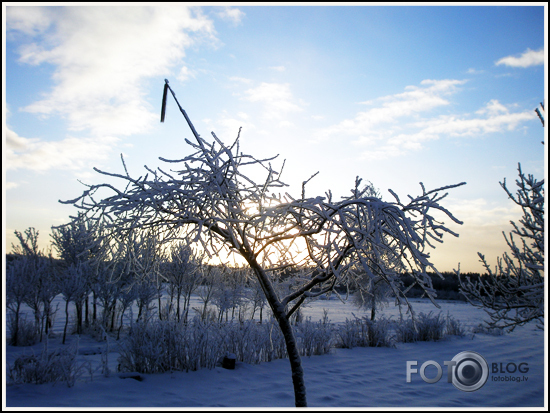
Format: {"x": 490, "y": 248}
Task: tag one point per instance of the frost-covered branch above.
{"x": 513, "y": 293}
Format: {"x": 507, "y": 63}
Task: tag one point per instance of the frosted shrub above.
{"x": 153, "y": 348}
{"x": 379, "y": 332}
{"x": 362, "y": 332}
{"x": 454, "y": 327}
{"x": 277, "y": 345}
{"x": 48, "y": 367}
{"x": 171, "y": 346}
{"x": 428, "y": 328}
{"x": 314, "y": 338}
{"x": 201, "y": 347}
{"x": 249, "y": 341}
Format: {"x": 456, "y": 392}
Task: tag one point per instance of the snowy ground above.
{"x": 360, "y": 377}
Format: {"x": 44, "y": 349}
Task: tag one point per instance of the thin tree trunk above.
{"x": 298, "y": 382}
{"x": 160, "y": 308}
{"x": 261, "y": 314}
{"x": 178, "y": 304}
{"x": 113, "y": 317}
{"x": 94, "y": 317}
{"x": 66, "y": 320}
{"x": 279, "y": 313}
{"x": 78, "y": 306}
{"x": 87, "y": 309}
{"x": 15, "y": 335}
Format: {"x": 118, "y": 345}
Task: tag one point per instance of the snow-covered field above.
{"x": 359, "y": 377}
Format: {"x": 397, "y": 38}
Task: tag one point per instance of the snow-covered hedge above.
{"x": 161, "y": 346}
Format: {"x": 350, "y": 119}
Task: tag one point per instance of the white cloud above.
{"x": 382, "y": 127}
{"x": 240, "y": 80}
{"x": 494, "y": 107}
{"x": 185, "y": 74}
{"x": 389, "y": 109}
{"x": 10, "y": 185}
{"x": 102, "y": 56}
{"x": 526, "y": 59}
{"x": 276, "y": 98}
{"x": 30, "y": 20}
{"x": 278, "y": 68}
{"x": 70, "y": 153}
{"x": 472, "y": 71}
{"x": 232, "y": 15}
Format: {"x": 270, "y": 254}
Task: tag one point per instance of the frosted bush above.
{"x": 454, "y": 327}
{"x": 314, "y": 338}
{"x": 153, "y": 348}
{"x": 48, "y": 367}
{"x": 428, "y": 328}
{"x": 362, "y": 332}
{"x": 171, "y": 346}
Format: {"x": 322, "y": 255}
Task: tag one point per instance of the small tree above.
{"x": 215, "y": 200}
{"x": 372, "y": 290}
{"x": 19, "y": 282}
{"x": 78, "y": 242}
{"x": 373, "y": 294}
{"x": 513, "y": 294}
{"x": 74, "y": 286}
{"x": 31, "y": 279}
{"x": 183, "y": 276}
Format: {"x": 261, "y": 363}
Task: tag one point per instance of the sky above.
{"x": 396, "y": 95}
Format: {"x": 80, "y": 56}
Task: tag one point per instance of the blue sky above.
{"x": 396, "y": 95}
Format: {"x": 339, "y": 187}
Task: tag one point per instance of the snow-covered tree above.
{"x": 78, "y": 242}
{"x": 141, "y": 256}
{"x": 183, "y": 276}
{"x": 31, "y": 278}
{"x": 20, "y": 274}
{"x": 74, "y": 287}
{"x": 372, "y": 291}
{"x": 211, "y": 276}
{"x": 215, "y": 198}
{"x": 513, "y": 293}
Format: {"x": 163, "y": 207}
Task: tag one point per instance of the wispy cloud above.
{"x": 231, "y": 14}
{"x": 278, "y": 68}
{"x": 69, "y": 153}
{"x": 387, "y": 110}
{"x": 241, "y": 80}
{"x": 472, "y": 71}
{"x": 102, "y": 57}
{"x": 185, "y": 74}
{"x": 380, "y": 129}
{"x": 276, "y": 98}
{"x": 526, "y": 59}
